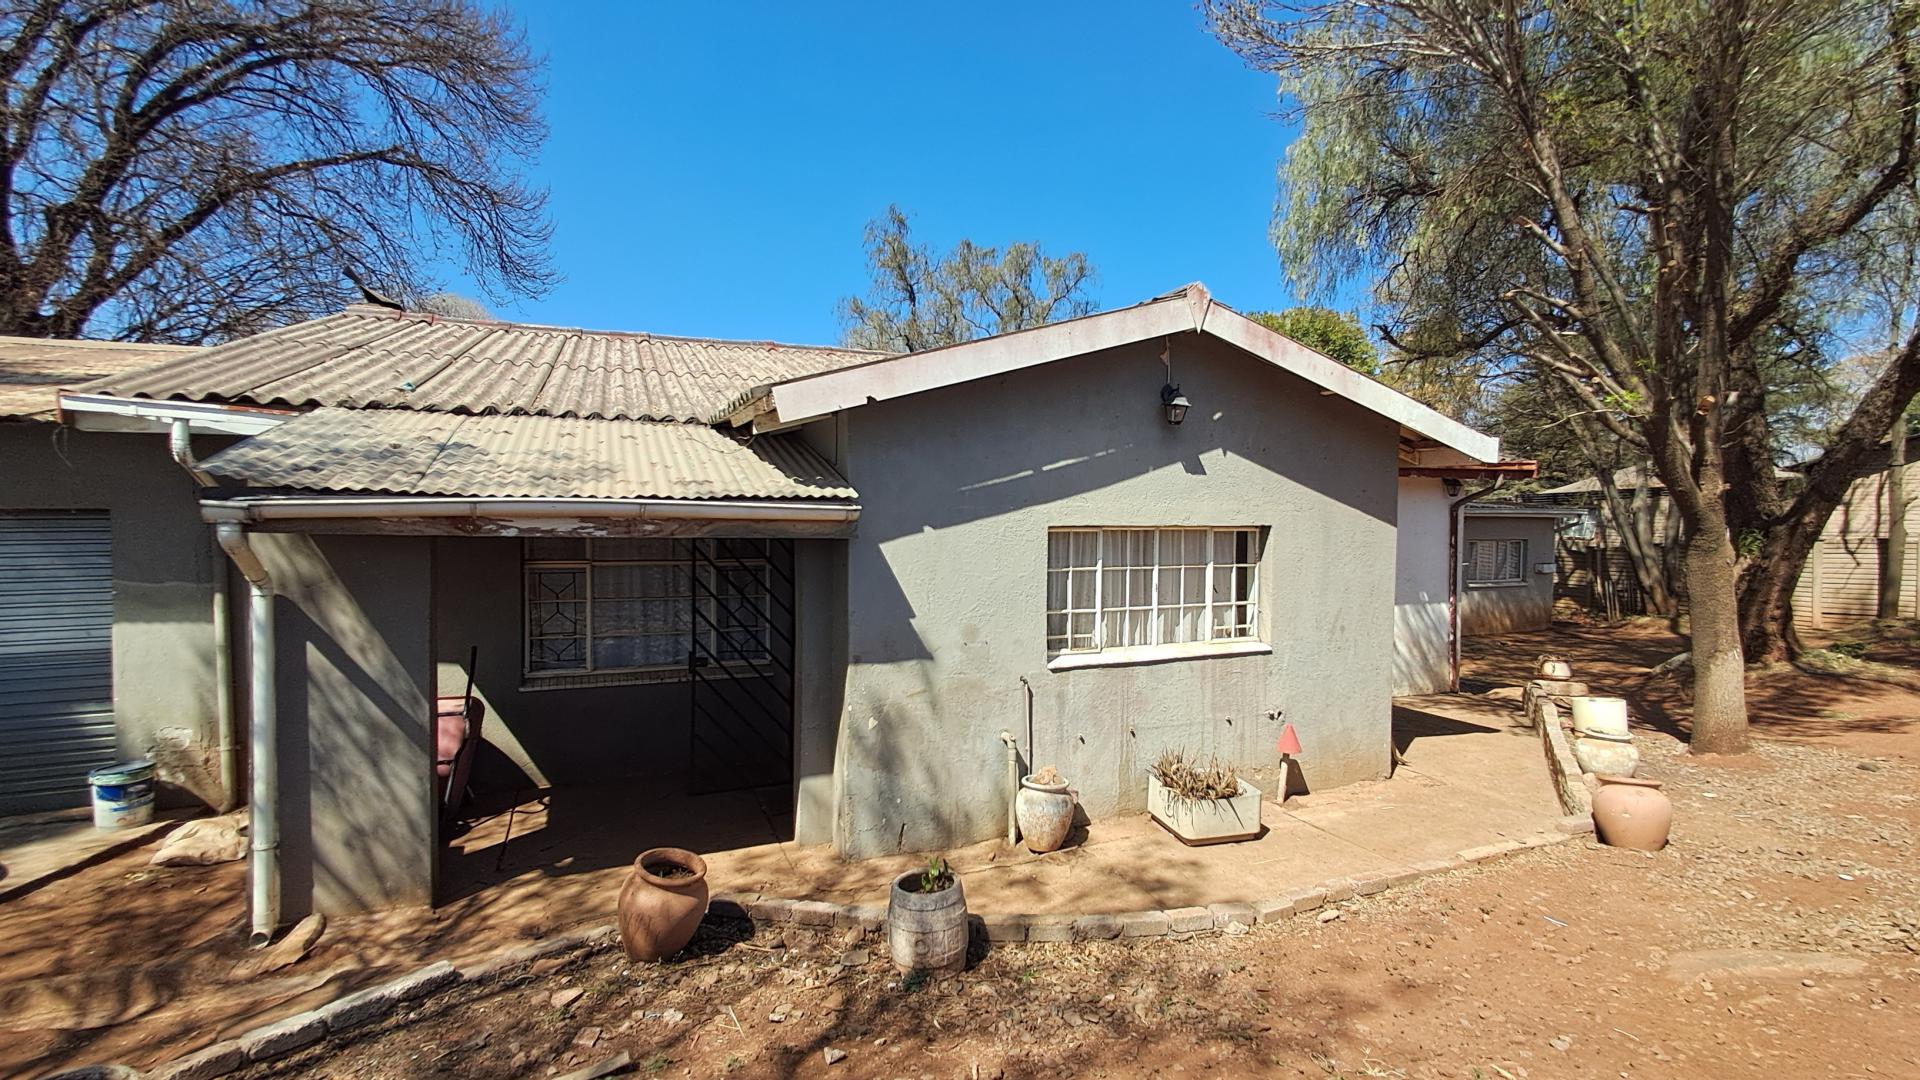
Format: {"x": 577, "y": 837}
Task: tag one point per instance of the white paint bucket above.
{"x": 122, "y": 794}
{"x": 1600, "y": 715}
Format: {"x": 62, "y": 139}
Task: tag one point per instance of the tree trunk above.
{"x": 1893, "y": 557}
{"x": 1719, "y": 667}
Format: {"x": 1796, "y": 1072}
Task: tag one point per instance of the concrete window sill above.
{"x": 1156, "y": 654}
{"x": 1499, "y": 584}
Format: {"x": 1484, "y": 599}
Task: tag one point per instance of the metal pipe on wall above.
{"x": 263, "y": 730}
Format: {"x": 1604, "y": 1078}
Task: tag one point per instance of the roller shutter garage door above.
{"x": 56, "y": 657}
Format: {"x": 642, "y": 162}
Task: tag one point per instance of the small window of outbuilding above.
{"x": 1496, "y": 562}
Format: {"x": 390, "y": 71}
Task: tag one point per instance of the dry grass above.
{"x": 1191, "y": 780}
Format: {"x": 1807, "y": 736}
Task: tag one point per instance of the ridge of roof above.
{"x": 429, "y": 317}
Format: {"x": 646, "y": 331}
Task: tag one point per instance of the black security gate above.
{"x": 740, "y": 665}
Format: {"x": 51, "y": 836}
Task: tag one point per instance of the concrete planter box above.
{"x": 1205, "y": 821}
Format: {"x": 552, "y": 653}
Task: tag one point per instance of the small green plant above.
{"x": 735, "y": 1062}
{"x": 1853, "y": 650}
{"x": 915, "y": 982}
{"x": 936, "y": 876}
{"x": 656, "y": 1064}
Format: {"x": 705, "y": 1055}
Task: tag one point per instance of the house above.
{"x": 1840, "y": 583}
{"x": 689, "y": 563}
{"x": 1508, "y": 562}
{"x": 106, "y": 640}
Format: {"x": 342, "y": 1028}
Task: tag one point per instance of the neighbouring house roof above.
{"x": 1628, "y": 479}
{"x": 375, "y": 357}
{"x": 799, "y": 398}
{"x": 34, "y": 370}
{"x": 444, "y": 454}
{"x": 1530, "y": 510}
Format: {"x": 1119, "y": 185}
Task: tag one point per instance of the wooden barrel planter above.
{"x": 927, "y": 931}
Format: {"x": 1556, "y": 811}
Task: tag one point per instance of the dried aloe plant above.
{"x": 1189, "y": 779}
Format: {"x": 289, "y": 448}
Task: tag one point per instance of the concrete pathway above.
{"x": 42, "y": 848}
{"x": 1470, "y": 776}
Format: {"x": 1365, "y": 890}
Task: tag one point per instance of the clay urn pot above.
{"x": 1044, "y": 812}
{"x": 1632, "y": 813}
{"x": 1552, "y": 667}
{"x": 662, "y": 902}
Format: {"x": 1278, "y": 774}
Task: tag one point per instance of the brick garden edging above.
{"x": 365, "y": 1006}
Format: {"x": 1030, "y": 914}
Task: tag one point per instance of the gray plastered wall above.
{"x": 163, "y": 585}
{"x": 946, "y": 585}
{"x": 1505, "y": 609}
{"x": 354, "y": 678}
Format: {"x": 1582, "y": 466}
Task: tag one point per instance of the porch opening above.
{"x": 649, "y": 699}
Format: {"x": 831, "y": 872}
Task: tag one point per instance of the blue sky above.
{"x": 711, "y": 167}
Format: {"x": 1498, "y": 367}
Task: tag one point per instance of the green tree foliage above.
{"x": 919, "y": 300}
{"x": 1333, "y": 333}
{"x": 1631, "y": 201}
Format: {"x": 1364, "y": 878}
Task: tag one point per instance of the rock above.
{"x": 1330, "y": 914}
{"x": 833, "y": 1056}
{"x": 854, "y": 958}
{"x": 286, "y": 952}
{"x": 673, "y": 1016}
{"x": 205, "y": 842}
{"x": 548, "y": 965}
{"x": 1561, "y": 1043}
{"x": 564, "y": 998}
{"x": 587, "y": 1037}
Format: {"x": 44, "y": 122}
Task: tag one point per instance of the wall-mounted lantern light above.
{"x": 1175, "y": 403}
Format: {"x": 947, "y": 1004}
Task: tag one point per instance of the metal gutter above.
{"x": 105, "y": 412}
{"x": 321, "y": 507}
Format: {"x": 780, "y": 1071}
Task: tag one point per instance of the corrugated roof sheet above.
{"x": 34, "y": 370}
{"x": 373, "y": 357}
{"x": 401, "y": 452}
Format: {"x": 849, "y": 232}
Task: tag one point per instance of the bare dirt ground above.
{"x": 1775, "y": 937}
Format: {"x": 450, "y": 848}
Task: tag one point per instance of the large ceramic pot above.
{"x": 927, "y": 931}
{"x": 1045, "y": 814}
{"x": 1632, "y": 813}
{"x": 662, "y": 902}
{"x": 1605, "y": 756}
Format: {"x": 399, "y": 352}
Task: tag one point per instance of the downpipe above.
{"x": 263, "y": 748}
{"x": 1013, "y": 787}
{"x": 1454, "y": 576}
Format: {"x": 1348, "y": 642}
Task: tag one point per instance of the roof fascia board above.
{"x": 103, "y": 412}
{"x": 814, "y": 396}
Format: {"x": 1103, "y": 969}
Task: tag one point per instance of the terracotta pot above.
{"x": 1604, "y": 756}
{"x": 927, "y": 931}
{"x": 658, "y": 914}
{"x": 1632, "y": 813}
{"x": 1045, "y": 814}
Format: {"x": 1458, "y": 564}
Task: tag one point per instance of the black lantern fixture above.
{"x": 1175, "y": 403}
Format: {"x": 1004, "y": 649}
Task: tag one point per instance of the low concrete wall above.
{"x": 1506, "y": 609}
{"x": 164, "y": 564}
{"x": 354, "y": 678}
{"x": 946, "y": 608}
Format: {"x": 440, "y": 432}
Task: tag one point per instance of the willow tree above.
{"x": 192, "y": 170}
{"x": 1629, "y": 196}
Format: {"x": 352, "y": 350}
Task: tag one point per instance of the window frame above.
{"x": 1245, "y": 634}
{"x": 711, "y": 629}
{"x": 1520, "y": 564}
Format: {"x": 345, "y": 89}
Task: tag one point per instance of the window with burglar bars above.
{"x": 1496, "y": 562}
{"x": 1116, "y": 588}
{"x": 606, "y": 606}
